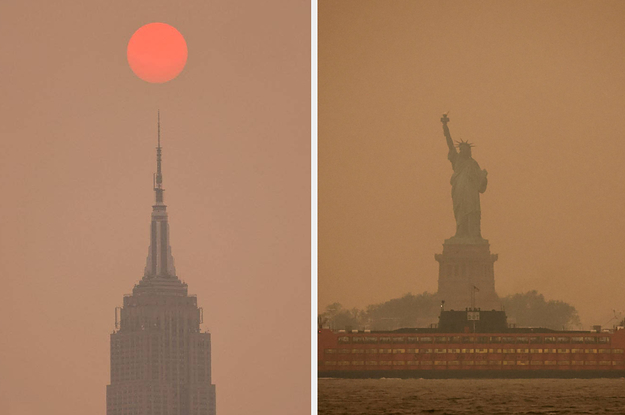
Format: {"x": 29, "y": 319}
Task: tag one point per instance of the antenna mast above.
{"x": 158, "y": 181}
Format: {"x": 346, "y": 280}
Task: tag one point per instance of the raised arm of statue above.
{"x": 450, "y": 142}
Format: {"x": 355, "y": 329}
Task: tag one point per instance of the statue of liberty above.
{"x": 467, "y": 182}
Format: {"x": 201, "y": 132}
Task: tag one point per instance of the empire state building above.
{"x": 160, "y": 360}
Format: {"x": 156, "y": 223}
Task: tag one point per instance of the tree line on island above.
{"x": 525, "y": 310}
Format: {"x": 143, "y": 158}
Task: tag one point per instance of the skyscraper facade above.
{"x": 160, "y": 359}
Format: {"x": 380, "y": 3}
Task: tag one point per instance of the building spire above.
{"x": 158, "y": 179}
{"x": 160, "y": 262}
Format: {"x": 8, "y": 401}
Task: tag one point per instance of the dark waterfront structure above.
{"x": 472, "y": 343}
{"x": 160, "y": 360}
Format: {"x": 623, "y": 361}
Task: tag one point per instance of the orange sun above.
{"x": 157, "y": 52}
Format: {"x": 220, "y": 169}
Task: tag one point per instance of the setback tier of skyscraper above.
{"x": 160, "y": 360}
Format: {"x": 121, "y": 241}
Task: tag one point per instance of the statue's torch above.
{"x": 445, "y": 119}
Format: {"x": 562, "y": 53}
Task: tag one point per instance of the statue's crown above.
{"x": 463, "y": 143}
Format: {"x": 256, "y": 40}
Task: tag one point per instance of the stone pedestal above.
{"x": 462, "y": 265}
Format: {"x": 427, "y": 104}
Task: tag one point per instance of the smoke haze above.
{"x": 79, "y": 134}
{"x": 537, "y": 86}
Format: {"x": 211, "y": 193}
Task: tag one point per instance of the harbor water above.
{"x": 470, "y": 396}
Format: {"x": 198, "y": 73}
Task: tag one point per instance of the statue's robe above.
{"x": 467, "y": 182}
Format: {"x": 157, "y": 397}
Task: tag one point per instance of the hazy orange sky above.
{"x": 537, "y": 86}
{"x": 79, "y": 133}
